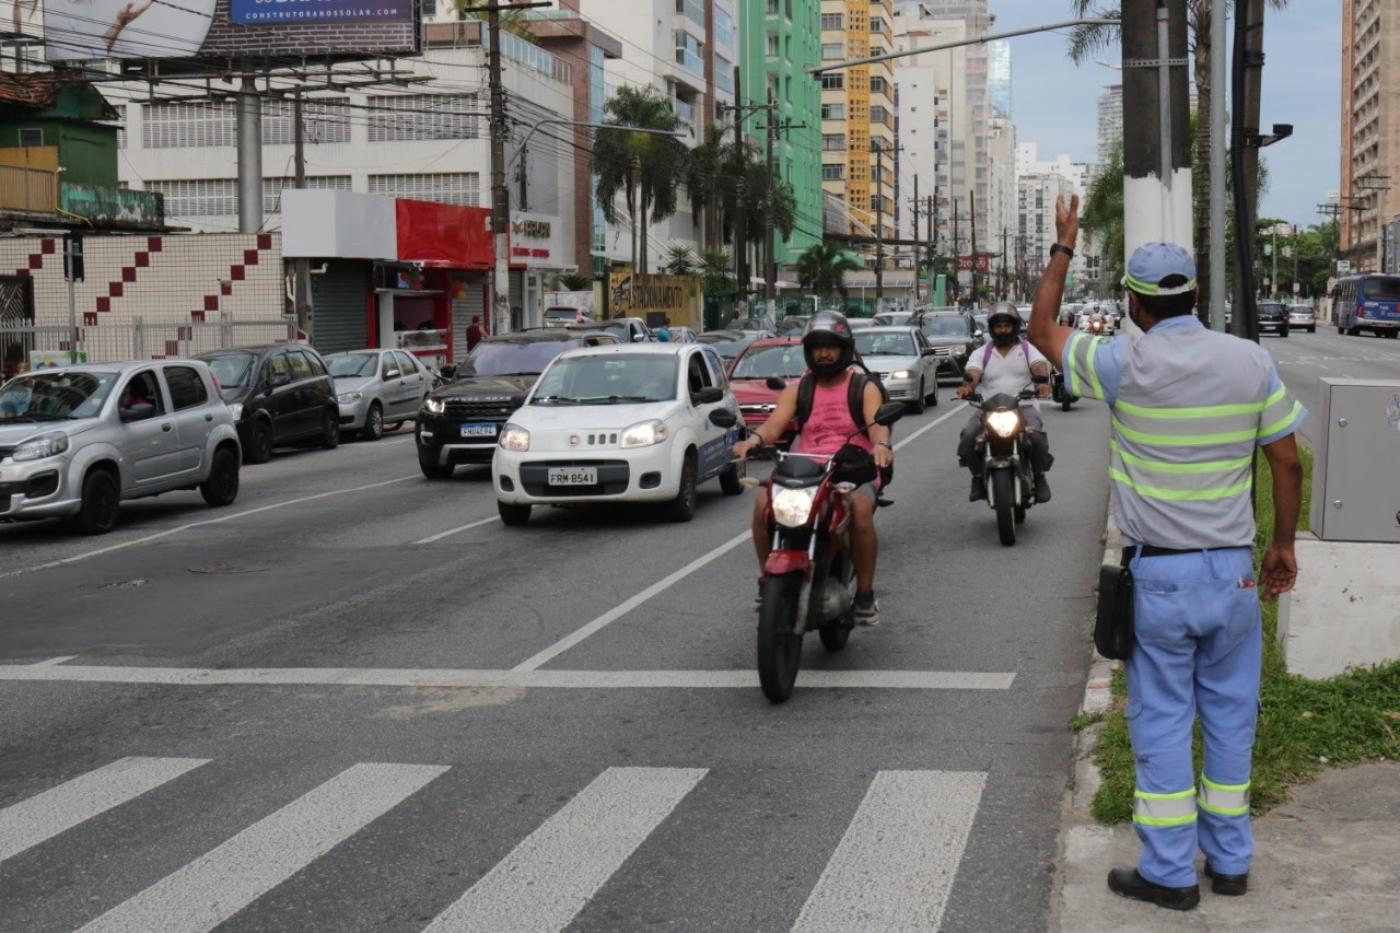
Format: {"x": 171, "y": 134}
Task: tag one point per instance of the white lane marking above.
{"x": 43, "y": 816}
{"x": 147, "y": 539}
{"x": 894, "y": 868}
{"x": 546, "y": 880}
{"x": 50, "y": 662}
{"x": 551, "y": 679}
{"x": 452, "y": 531}
{"x": 223, "y": 881}
{"x": 615, "y": 613}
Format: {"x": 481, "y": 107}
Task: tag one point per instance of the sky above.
{"x": 1054, "y": 102}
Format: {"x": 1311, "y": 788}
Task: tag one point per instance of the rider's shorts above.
{"x": 868, "y": 490}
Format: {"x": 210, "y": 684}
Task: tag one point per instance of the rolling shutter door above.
{"x": 340, "y": 301}
{"x": 472, "y": 303}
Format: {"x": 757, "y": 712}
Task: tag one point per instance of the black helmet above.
{"x": 1004, "y": 312}
{"x": 828, "y": 329}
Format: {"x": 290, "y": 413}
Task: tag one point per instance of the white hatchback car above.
{"x": 626, "y": 423}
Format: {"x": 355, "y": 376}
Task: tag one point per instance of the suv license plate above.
{"x": 479, "y": 430}
{"x": 573, "y": 476}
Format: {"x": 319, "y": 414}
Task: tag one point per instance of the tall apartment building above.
{"x": 999, "y": 76}
{"x": 1370, "y": 130}
{"x": 858, "y": 113}
{"x": 1002, "y": 201}
{"x": 1110, "y": 121}
{"x": 922, "y": 122}
{"x": 780, "y": 40}
{"x": 1038, "y": 184}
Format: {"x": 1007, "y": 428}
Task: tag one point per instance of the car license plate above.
{"x": 479, "y": 430}
{"x": 573, "y": 476}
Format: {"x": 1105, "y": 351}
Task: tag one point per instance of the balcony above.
{"x": 689, "y": 60}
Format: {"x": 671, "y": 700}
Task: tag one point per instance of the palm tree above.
{"x": 1102, "y": 217}
{"x": 1086, "y": 40}
{"x": 680, "y": 260}
{"x": 822, "y": 269}
{"x": 645, "y": 167}
{"x": 716, "y": 273}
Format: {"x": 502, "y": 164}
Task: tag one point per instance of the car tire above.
{"x": 933, "y": 399}
{"x": 374, "y": 423}
{"x": 512, "y": 514}
{"x": 259, "y": 448}
{"x": 97, "y": 511}
{"x": 434, "y": 470}
{"x": 919, "y": 404}
{"x": 1283, "y": 332}
{"x": 1353, "y": 332}
{"x": 330, "y": 430}
{"x": 731, "y": 478}
{"x": 1313, "y": 329}
{"x": 221, "y": 488}
{"x": 682, "y": 508}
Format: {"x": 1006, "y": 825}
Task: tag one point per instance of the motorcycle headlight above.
{"x": 644, "y": 434}
{"x": 792, "y": 507}
{"x": 901, "y": 374}
{"x": 1003, "y": 423}
{"x": 514, "y": 437}
{"x": 345, "y": 398}
{"x": 235, "y": 409}
{"x": 37, "y": 448}
{"x": 434, "y": 406}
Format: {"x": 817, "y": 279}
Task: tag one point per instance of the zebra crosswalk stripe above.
{"x": 547, "y": 879}
{"x": 26, "y": 824}
{"x": 894, "y": 867}
{"x": 218, "y": 884}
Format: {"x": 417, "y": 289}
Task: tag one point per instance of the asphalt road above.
{"x": 355, "y": 701}
{"x": 1303, "y": 359}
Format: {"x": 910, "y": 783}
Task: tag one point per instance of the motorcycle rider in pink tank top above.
{"x": 829, "y": 348}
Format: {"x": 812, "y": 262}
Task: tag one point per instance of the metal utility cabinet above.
{"x": 1356, "y": 469}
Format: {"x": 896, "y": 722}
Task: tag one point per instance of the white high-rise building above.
{"x": 1110, "y": 121}
{"x": 1039, "y": 183}
{"x": 1002, "y": 202}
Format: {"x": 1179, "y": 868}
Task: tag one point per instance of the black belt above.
{"x": 1152, "y": 550}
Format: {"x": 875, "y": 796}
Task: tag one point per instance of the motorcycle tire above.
{"x": 1066, "y": 402}
{"x": 1002, "y": 496}
{"x": 779, "y": 639}
{"x": 1020, "y": 514}
{"x": 834, "y": 635}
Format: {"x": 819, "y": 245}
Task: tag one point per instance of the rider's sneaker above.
{"x": 867, "y": 609}
{"x": 1042, "y": 489}
{"x": 979, "y": 490}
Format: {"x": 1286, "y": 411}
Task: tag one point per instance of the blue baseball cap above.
{"x": 1161, "y": 269}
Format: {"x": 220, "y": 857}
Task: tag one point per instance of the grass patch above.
{"x": 1304, "y": 725}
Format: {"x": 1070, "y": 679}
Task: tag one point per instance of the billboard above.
{"x": 250, "y": 30}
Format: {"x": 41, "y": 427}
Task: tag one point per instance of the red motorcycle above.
{"x": 809, "y": 580}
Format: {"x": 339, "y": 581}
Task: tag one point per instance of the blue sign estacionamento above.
{"x": 314, "y": 12}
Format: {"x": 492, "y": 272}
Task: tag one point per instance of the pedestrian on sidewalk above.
{"x": 1189, "y": 405}
{"x": 474, "y": 333}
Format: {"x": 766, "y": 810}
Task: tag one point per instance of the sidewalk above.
{"x": 1327, "y": 860}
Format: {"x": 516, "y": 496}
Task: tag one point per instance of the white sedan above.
{"x": 905, "y": 362}
{"x": 626, "y": 423}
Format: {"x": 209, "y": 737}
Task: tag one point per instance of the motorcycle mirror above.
{"x": 1040, "y": 380}
{"x": 888, "y": 413}
{"x": 723, "y": 418}
{"x": 776, "y": 383}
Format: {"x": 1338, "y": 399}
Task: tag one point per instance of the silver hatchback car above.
{"x": 77, "y": 440}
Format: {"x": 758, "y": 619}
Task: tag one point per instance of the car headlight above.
{"x": 901, "y": 374}
{"x": 235, "y": 409}
{"x": 644, "y": 434}
{"x": 791, "y": 507}
{"x": 37, "y": 448}
{"x": 345, "y": 398}
{"x": 514, "y": 437}
{"x": 1004, "y": 423}
{"x": 434, "y": 406}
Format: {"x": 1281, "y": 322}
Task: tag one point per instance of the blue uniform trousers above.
{"x": 1197, "y": 653}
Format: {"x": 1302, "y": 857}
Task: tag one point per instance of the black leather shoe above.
{"x": 1228, "y": 885}
{"x": 1126, "y": 882}
{"x": 979, "y": 490}
{"x": 1042, "y": 489}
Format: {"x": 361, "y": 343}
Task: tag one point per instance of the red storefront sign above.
{"x": 444, "y": 236}
{"x": 982, "y": 262}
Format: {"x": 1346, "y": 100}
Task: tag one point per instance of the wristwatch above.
{"x": 1057, "y": 248}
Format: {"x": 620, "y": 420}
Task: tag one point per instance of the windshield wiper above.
{"x": 555, "y": 399}
{"x": 613, "y": 399}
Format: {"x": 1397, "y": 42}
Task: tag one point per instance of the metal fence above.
{"x": 48, "y": 344}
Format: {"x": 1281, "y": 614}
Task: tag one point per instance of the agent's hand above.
{"x": 741, "y": 449}
{"x": 884, "y": 456}
{"x": 1279, "y": 570}
{"x": 965, "y": 390}
{"x": 1067, "y": 221}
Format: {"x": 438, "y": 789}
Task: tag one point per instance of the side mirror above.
{"x": 978, "y": 333}
{"x": 639, "y": 338}
{"x": 449, "y": 371}
{"x": 1040, "y": 380}
{"x": 723, "y": 418}
{"x": 137, "y": 413}
{"x": 888, "y": 413}
{"x": 776, "y": 383}
{"x": 392, "y": 374}
{"x": 709, "y": 395}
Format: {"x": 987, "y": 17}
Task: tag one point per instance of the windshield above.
{"x": 943, "y": 327}
{"x": 728, "y": 347}
{"x": 894, "y": 317}
{"x": 1387, "y": 287}
{"x": 233, "y": 369}
{"x": 617, "y": 329}
{"x": 884, "y": 344}
{"x": 1270, "y": 309}
{"x": 513, "y": 358}
{"x": 608, "y": 380}
{"x": 762, "y": 362}
{"x": 56, "y": 396}
{"x": 344, "y": 365}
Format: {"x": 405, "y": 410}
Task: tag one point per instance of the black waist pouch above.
{"x": 1113, "y": 629}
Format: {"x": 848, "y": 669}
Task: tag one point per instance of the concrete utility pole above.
{"x": 500, "y": 194}
{"x": 301, "y": 268}
{"x": 972, "y": 248}
{"x": 918, "y": 246}
{"x": 1156, "y": 126}
{"x": 1004, "y": 294}
{"x": 248, "y": 125}
{"x": 931, "y": 213}
{"x": 770, "y": 259}
{"x": 1248, "y": 47}
{"x": 741, "y": 231}
{"x": 879, "y": 226}
{"x": 1215, "y": 306}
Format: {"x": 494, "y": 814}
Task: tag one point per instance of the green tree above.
{"x": 574, "y": 283}
{"x": 680, "y": 260}
{"x": 645, "y": 167}
{"x": 1102, "y": 218}
{"x": 735, "y": 180}
{"x": 822, "y": 268}
{"x": 716, "y": 276}
{"x": 512, "y": 21}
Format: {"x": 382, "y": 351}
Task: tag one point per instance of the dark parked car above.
{"x": 278, "y": 394}
{"x": 461, "y": 421}
{"x": 624, "y": 329}
{"x": 728, "y": 343}
{"x": 954, "y": 336}
{"x": 1273, "y": 318}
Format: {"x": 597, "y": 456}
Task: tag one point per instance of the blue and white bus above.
{"x": 1367, "y": 302}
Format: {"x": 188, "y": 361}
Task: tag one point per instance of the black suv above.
{"x": 1273, "y": 316}
{"x": 279, "y": 394}
{"x": 460, "y": 422}
{"x": 954, "y": 336}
